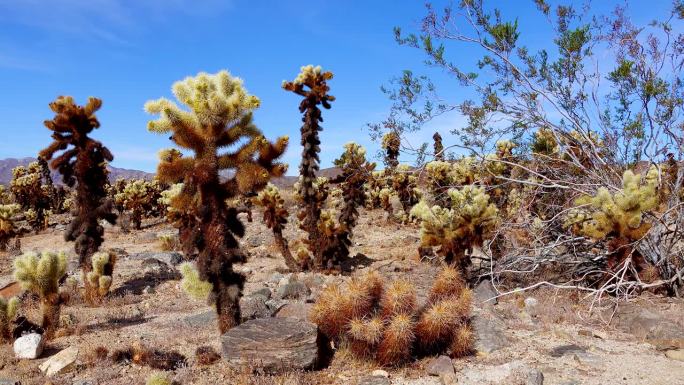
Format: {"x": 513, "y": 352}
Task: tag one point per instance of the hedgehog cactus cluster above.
{"x": 40, "y": 275}
{"x": 218, "y": 116}
{"x": 383, "y": 322}
{"x": 617, "y": 217}
{"x": 466, "y": 223}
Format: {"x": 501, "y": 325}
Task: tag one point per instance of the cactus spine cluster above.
{"x": 617, "y": 217}
{"x": 219, "y": 116}
{"x": 458, "y": 228}
{"x": 83, "y": 165}
{"x": 40, "y": 275}
{"x": 8, "y": 310}
{"x": 382, "y": 321}
{"x": 275, "y": 217}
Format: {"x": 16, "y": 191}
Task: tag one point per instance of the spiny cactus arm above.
{"x": 193, "y": 284}
{"x": 40, "y": 274}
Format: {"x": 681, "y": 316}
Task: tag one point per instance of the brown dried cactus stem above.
{"x": 83, "y": 166}
{"x": 316, "y": 94}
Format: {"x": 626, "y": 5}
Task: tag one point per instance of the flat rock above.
{"x": 253, "y": 307}
{"x": 298, "y": 310}
{"x": 272, "y": 345}
{"x": 200, "y": 320}
{"x": 675, "y": 354}
{"x": 60, "y": 362}
{"x": 29, "y": 346}
{"x": 652, "y": 328}
{"x": 563, "y": 350}
{"x": 374, "y": 380}
{"x": 292, "y": 290}
{"x": 9, "y": 381}
{"x": 171, "y": 258}
{"x": 489, "y": 335}
{"x": 509, "y": 373}
{"x": 441, "y": 365}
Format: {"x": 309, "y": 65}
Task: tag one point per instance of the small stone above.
{"x": 60, "y": 362}
{"x": 484, "y": 292}
{"x": 85, "y": 382}
{"x": 440, "y": 365}
{"x": 675, "y": 354}
{"x": 489, "y": 335}
{"x": 275, "y": 278}
{"x": 264, "y": 291}
{"x": 560, "y": 351}
{"x": 253, "y": 307}
{"x": 9, "y": 381}
{"x": 295, "y": 310}
{"x": 531, "y": 305}
{"x": 202, "y": 319}
{"x": 380, "y": 373}
{"x": 293, "y": 290}
{"x": 534, "y": 377}
{"x": 29, "y": 346}
{"x": 149, "y": 290}
{"x": 372, "y": 380}
{"x": 171, "y": 258}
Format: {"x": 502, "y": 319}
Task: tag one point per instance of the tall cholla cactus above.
{"x": 382, "y": 321}
{"x": 219, "y": 116}
{"x": 275, "y": 217}
{"x": 438, "y": 147}
{"x": 100, "y": 278}
{"x": 312, "y": 85}
{"x": 617, "y": 217}
{"x": 391, "y": 143}
{"x": 8, "y": 310}
{"x": 8, "y": 229}
{"x": 405, "y": 183}
{"x": 29, "y": 192}
{"x": 40, "y": 275}
{"x": 457, "y": 229}
{"x": 137, "y": 196}
{"x": 82, "y": 164}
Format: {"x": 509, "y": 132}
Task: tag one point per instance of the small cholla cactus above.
{"x": 220, "y": 116}
{"x": 383, "y": 322}
{"x": 100, "y": 278}
{"x": 40, "y": 275}
{"x": 31, "y": 194}
{"x": 275, "y": 217}
{"x": 617, "y": 217}
{"x": 8, "y": 310}
{"x": 405, "y": 183}
{"x": 83, "y": 165}
{"x": 8, "y": 228}
{"x": 438, "y": 147}
{"x": 138, "y": 196}
{"x": 391, "y": 143}
{"x": 375, "y": 183}
{"x": 459, "y": 228}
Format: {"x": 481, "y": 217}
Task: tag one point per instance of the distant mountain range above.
{"x": 6, "y": 166}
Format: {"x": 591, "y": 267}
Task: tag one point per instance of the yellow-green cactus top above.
{"x": 40, "y": 274}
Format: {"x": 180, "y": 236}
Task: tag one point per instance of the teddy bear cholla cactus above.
{"x": 100, "y": 277}
{"x": 219, "y": 116}
{"x": 8, "y": 310}
{"x": 391, "y": 143}
{"x": 83, "y": 165}
{"x": 618, "y": 217}
{"x": 138, "y": 196}
{"x": 31, "y": 194}
{"x": 382, "y": 321}
{"x": 275, "y": 217}
{"x": 458, "y": 228}
{"x": 40, "y": 275}
{"x": 8, "y": 228}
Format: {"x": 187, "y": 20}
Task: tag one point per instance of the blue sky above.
{"x": 130, "y": 51}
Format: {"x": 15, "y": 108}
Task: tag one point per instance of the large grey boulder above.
{"x": 272, "y": 345}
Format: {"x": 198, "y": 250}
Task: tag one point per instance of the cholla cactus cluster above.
{"x": 445, "y": 175}
{"x": 100, "y": 277}
{"x": 8, "y": 227}
{"x": 383, "y": 322}
{"x": 40, "y": 275}
{"x": 275, "y": 217}
{"x": 618, "y": 216}
{"x": 457, "y": 229}
{"x": 391, "y": 143}
{"x": 8, "y": 310}
{"x": 405, "y": 185}
{"x": 219, "y": 116}
{"x": 544, "y": 143}
{"x": 139, "y": 197}
{"x": 31, "y": 194}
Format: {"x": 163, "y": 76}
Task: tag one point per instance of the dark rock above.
{"x": 489, "y": 335}
{"x": 171, "y": 258}
{"x": 272, "y": 345}
{"x": 293, "y": 290}
{"x": 264, "y": 291}
{"x": 254, "y": 306}
{"x": 483, "y": 292}
{"x": 441, "y": 365}
{"x": 563, "y": 350}
{"x": 201, "y": 320}
{"x": 534, "y": 377}
{"x": 652, "y": 328}
{"x": 297, "y": 310}
{"x": 275, "y": 304}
